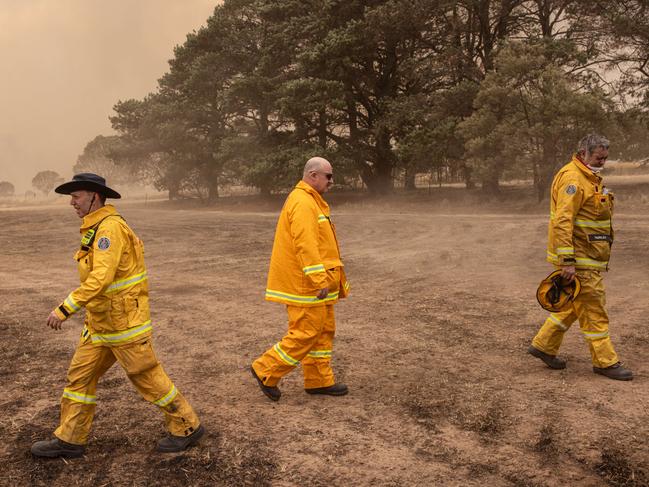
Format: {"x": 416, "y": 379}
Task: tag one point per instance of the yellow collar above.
{"x": 91, "y": 219}
{"x": 317, "y": 196}
{"x": 586, "y": 170}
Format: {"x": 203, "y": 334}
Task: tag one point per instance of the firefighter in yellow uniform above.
{"x": 580, "y": 236}
{"x": 306, "y": 274}
{"x": 117, "y": 326}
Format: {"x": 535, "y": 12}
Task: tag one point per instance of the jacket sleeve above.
{"x": 569, "y": 199}
{"x": 303, "y": 220}
{"x": 107, "y": 252}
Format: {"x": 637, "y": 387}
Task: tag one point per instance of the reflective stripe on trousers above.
{"x": 91, "y": 361}
{"x": 590, "y": 308}
{"x": 309, "y": 341}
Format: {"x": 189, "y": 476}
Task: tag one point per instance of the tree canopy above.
{"x": 46, "y": 181}
{"x": 477, "y": 89}
{"x": 7, "y": 188}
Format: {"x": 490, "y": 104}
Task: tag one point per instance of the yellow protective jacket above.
{"x": 580, "y": 232}
{"x": 114, "y": 287}
{"x": 305, "y": 256}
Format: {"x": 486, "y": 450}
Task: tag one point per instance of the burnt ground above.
{"x": 431, "y": 343}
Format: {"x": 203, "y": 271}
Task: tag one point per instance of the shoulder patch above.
{"x": 571, "y": 189}
{"x": 103, "y": 243}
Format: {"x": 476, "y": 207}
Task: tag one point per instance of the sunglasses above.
{"x": 328, "y": 175}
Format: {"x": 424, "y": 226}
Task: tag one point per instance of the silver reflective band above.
{"x": 128, "y": 282}
{"x": 285, "y": 356}
{"x": 593, "y": 223}
{"x": 71, "y": 304}
{"x": 319, "y": 354}
{"x": 293, "y": 298}
{"x": 558, "y": 322}
{"x": 580, "y": 261}
{"x": 78, "y": 397}
{"x": 312, "y": 269}
{"x": 123, "y": 335}
{"x": 594, "y": 336}
{"x": 167, "y": 398}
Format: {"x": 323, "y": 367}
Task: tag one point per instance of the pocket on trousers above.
{"x": 136, "y": 358}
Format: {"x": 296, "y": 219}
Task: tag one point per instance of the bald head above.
{"x": 316, "y": 164}
{"x": 318, "y": 174}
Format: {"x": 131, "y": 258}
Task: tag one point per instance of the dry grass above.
{"x": 431, "y": 343}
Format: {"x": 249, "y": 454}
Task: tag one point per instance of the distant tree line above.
{"x": 477, "y": 90}
{"x": 44, "y": 181}
{"x": 7, "y": 188}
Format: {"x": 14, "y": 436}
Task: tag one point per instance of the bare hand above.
{"x": 322, "y": 293}
{"x": 53, "y": 321}
{"x": 568, "y": 272}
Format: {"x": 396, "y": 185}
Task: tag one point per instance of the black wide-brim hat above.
{"x": 89, "y": 182}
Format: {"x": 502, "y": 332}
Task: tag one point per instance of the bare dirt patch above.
{"x": 431, "y": 343}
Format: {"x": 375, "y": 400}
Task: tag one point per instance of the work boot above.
{"x": 615, "y": 371}
{"x": 334, "y": 390}
{"x": 57, "y": 448}
{"x": 273, "y": 393}
{"x": 173, "y": 444}
{"x": 551, "y": 361}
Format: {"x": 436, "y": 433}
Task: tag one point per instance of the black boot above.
{"x": 57, "y": 448}
{"x": 551, "y": 361}
{"x": 615, "y": 371}
{"x": 273, "y": 393}
{"x": 174, "y": 444}
{"x": 334, "y": 390}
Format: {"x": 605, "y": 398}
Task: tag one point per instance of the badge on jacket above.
{"x": 571, "y": 189}
{"x": 103, "y": 243}
{"x": 88, "y": 237}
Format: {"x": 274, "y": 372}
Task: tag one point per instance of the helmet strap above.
{"x": 92, "y": 202}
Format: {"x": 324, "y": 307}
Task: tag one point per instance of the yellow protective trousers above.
{"x": 309, "y": 341}
{"x": 589, "y": 308}
{"x": 143, "y": 369}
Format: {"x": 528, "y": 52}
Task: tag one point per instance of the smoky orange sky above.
{"x": 65, "y": 63}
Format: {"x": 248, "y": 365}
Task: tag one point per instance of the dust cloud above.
{"x": 68, "y": 62}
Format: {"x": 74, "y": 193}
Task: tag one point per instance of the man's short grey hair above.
{"x": 592, "y": 142}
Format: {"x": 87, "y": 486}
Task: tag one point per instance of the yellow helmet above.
{"x": 556, "y": 295}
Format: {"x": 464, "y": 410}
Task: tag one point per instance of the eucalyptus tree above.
{"x": 46, "y": 181}
{"x": 7, "y": 188}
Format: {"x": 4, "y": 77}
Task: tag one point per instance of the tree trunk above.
{"x": 264, "y": 191}
{"x": 322, "y": 129}
{"x": 381, "y": 181}
{"x": 263, "y": 121}
{"x": 491, "y": 186}
{"x": 213, "y": 189}
{"x": 411, "y": 173}
{"x": 301, "y": 132}
{"x": 545, "y": 173}
{"x": 467, "y": 173}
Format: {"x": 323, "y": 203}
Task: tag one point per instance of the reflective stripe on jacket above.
{"x": 305, "y": 255}
{"x": 113, "y": 277}
{"x": 580, "y": 232}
